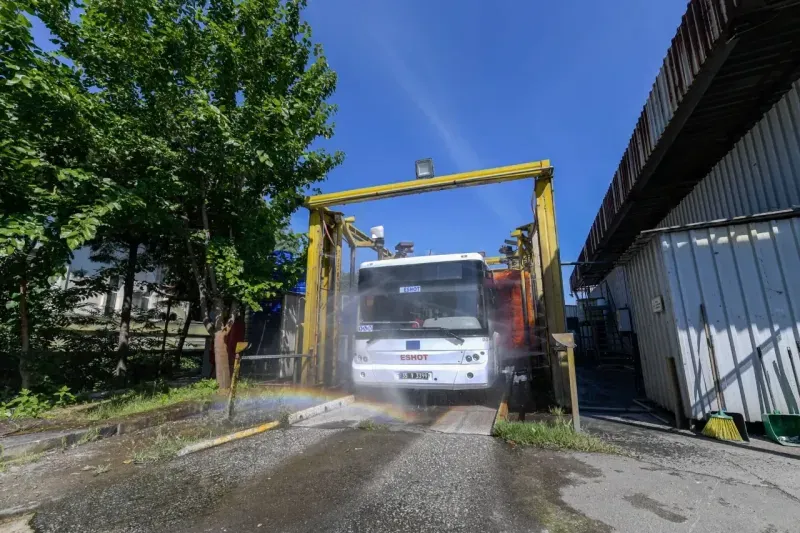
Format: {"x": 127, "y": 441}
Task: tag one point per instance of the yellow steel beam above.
{"x": 533, "y": 169}
{"x": 348, "y": 234}
{"x": 357, "y": 238}
{"x": 553, "y": 288}
{"x": 333, "y": 377}
{"x": 499, "y": 260}
{"x": 311, "y": 321}
{"x": 526, "y": 319}
{"x": 320, "y": 278}
{"x": 326, "y": 310}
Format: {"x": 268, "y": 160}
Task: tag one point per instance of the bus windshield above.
{"x": 427, "y": 295}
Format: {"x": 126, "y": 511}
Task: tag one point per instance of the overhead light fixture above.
{"x": 424, "y": 169}
{"x": 511, "y": 242}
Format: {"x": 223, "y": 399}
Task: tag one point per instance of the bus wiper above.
{"x": 448, "y": 332}
{"x": 457, "y": 339}
{"x": 373, "y": 337}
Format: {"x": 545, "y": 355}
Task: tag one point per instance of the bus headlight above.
{"x": 469, "y": 359}
{"x": 476, "y": 357}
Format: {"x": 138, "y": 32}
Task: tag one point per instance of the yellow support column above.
{"x": 337, "y": 303}
{"x": 553, "y": 288}
{"x": 522, "y": 255}
{"x": 313, "y": 296}
{"x": 326, "y": 288}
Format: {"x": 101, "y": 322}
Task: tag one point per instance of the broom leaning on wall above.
{"x": 720, "y": 425}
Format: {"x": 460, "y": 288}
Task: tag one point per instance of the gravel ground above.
{"x": 165, "y": 497}
{"x": 412, "y": 479}
{"x": 353, "y": 480}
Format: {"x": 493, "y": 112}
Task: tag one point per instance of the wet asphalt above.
{"x": 411, "y": 478}
{"x": 309, "y": 479}
{"x": 304, "y": 479}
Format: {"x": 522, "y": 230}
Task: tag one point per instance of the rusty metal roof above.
{"x": 728, "y": 63}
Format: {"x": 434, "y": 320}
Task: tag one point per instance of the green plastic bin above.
{"x": 783, "y": 429}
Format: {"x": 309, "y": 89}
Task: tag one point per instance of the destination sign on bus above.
{"x": 413, "y": 288}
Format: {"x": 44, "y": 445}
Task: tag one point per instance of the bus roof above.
{"x": 473, "y": 256}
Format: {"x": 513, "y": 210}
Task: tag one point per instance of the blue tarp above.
{"x": 283, "y": 255}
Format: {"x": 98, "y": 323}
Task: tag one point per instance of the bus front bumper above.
{"x": 440, "y": 377}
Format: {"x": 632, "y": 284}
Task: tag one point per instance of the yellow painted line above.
{"x": 204, "y": 445}
{"x": 293, "y": 419}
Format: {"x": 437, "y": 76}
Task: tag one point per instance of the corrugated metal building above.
{"x": 728, "y": 238}
{"x": 761, "y": 174}
{"x": 758, "y": 175}
{"x": 729, "y": 62}
{"x": 743, "y": 274}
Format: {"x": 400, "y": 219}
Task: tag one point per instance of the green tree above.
{"x": 52, "y": 199}
{"x": 227, "y": 98}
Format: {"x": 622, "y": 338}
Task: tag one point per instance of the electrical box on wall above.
{"x": 657, "y": 304}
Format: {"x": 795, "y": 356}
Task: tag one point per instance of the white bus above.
{"x": 426, "y": 323}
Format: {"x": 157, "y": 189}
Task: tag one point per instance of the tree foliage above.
{"x": 187, "y": 126}
{"x": 53, "y": 200}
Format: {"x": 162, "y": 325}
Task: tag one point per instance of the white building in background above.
{"x": 111, "y": 301}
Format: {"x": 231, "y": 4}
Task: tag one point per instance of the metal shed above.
{"x": 729, "y": 62}
{"x": 744, "y": 272}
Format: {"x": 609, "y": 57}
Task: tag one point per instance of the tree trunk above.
{"x": 125, "y": 312}
{"x": 221, "y": 359}
{"x": 163, "y": 362}
{"x": 24, "y": 335}
{"x": 182, "y": 339}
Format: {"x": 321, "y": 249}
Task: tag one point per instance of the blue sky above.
{"x": 476, "y": 84}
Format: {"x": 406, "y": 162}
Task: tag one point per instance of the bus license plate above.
{"x": 415, "y": 375}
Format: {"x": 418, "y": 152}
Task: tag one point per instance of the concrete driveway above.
{"x": 410, "y": 477}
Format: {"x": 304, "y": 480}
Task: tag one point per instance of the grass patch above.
{"x": 370, "y": 425}
{"x": 557, "y": 434}
{"x": 100, "y": 469}
{"x": 25, "y": 459}
{"x": 135, "y": 403}
{"x": 90, "y": 436}
{"x": 161, "y": 448}
{"x": 283, "y": 418}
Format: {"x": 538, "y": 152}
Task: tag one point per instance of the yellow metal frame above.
{"x": 552, "y": 285}
{"x": 326, "y": 230}
{"x": 453, "y": 181}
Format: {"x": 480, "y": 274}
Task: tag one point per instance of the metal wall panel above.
{"x": 291, "y": 320}
{"x": 658, "y": 338}
{"x": 760, "y": 174}
{"x": 745, "y": 276}
{"x": 571, "y": 311}
{"x": 613, "y": 288}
